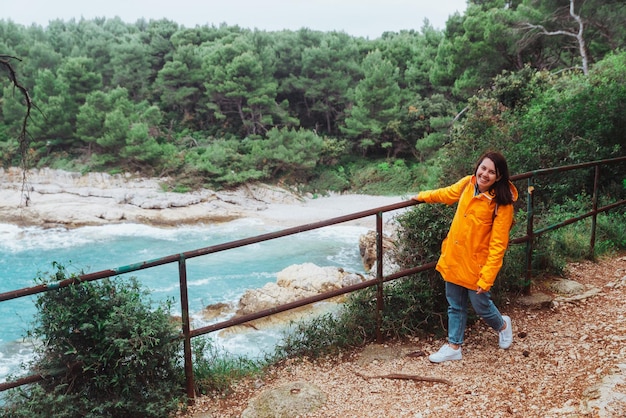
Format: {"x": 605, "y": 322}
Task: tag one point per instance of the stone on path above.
{"x": 286, "y": 401}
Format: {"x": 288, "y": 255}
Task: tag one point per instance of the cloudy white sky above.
{"x": 367, "y": 18}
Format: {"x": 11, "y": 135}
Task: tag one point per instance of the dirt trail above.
{"x": 568, "y": 360}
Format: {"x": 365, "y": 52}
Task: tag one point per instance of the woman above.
{"x": 472, "y": 253}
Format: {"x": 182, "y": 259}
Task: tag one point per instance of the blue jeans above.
{"x": 457, "y": 297}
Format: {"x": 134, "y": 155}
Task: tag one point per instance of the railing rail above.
{"x": 188, "y": 333}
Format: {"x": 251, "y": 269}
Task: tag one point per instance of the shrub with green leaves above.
{"x": 420, "y": 233}
{"x": 106, "y": 352}
{"x": 353, "y": 325}
{"x": 388, "y": 177}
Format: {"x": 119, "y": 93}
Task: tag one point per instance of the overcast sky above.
{"x": 367, "y": 18}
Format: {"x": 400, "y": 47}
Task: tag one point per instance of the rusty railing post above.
{"x": 184, "y": 305}
{"x": 380, "y": 303}
{"x": 594, "y": 217}
{"x": 530, "y": 207}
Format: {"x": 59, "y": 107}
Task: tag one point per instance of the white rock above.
{"x": 293, "y": 283}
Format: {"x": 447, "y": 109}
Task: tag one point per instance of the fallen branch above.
{"x": 401, "y": 376}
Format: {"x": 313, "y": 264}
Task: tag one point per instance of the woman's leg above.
{"x": 486, "y": 309}
{"x": 457, "y": 312}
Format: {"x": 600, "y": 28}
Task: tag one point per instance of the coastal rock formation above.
{"x": 367, "y": 249}
{"x": 52, "y": 198}
{"x": 293, "y": 283}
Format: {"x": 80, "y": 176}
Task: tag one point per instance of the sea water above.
{"x": 27, "y": 253}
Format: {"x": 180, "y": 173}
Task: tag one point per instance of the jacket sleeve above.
{"x": 448, "y": 195}
{"x": 498, "y": 243}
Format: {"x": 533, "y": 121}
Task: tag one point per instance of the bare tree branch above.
{"x": 5, "y": 61}
{"x": 578, "y": 35}
{"x": 400, "y": 376}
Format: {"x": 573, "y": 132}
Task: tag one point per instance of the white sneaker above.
{"x": 446, "y": 353}
{"x": 505, "y": 337}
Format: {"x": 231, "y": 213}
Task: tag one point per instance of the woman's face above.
{"x": 486, "y": 175}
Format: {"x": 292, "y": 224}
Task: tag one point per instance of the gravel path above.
{"x": 568, "y": 360}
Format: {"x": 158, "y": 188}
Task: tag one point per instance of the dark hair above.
{"x": 500, "y": 188}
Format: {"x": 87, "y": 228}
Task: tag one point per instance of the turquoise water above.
{"x": 26, "y": 253}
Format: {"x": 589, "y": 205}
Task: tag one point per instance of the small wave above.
{"x": 13, "y": 355}
{"x": 349, "y": 258}
{"x": 17, "y": 239}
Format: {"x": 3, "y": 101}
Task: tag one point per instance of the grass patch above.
{"x": 215, "y": 371}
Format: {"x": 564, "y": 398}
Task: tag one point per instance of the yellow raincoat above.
{"x": 472, "y": 253}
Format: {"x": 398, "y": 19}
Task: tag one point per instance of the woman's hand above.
{"x": 480, "y": 290}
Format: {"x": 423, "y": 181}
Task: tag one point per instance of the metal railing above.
{"x": 531, "y": 233}
{"x": 188, "y": 333}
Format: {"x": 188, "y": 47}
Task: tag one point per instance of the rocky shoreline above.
{"x": 56, "y": 198}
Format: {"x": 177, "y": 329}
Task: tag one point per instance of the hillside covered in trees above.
{"x": 541, "y": 80}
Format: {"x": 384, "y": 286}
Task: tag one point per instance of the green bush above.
{"x": 411, "y": 306}
{"x": 106, "y": 352}
{"x": 225, "y": 162}
{"x": 352, "y": 326}
{"x": 327, "y": 179}
{"x": 554, "y": 249}
{"x": 391, "y": 176}
{"x": 611, "y": 233}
